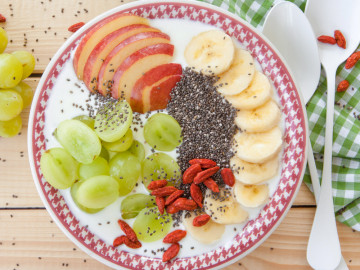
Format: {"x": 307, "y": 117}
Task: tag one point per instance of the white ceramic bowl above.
{"x": 293, "y": 159}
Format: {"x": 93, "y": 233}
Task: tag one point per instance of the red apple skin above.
{"x": 160, "y": 94}
{"x": 97, "y": 57}
{"x": 111, "y": 22}
{"x": 150, "y": 78}
{"x": 139, "y": 41}
{"x": 129, "y": 71}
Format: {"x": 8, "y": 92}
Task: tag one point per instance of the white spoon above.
{"x": 326, "y": 16}
{"x": 288, "y": 29}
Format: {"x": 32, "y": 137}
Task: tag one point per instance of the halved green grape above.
{"x": 160, "y": 166}
{"x": 162, "y": 132}
{"x": 3, "y": 40}
{"x": 104, "y": 154}
{"x": 27, "y": 60}
{"x": 98, "y": 167}
{"x": 73, "y": 191}
{"x": 133, "y": 204}
{"x": 126, "y": 168}
{"x": 87, "y": 120}
{"x": 122, "y": 144}
{"x": 11, "y": 104}
{"x": 137, "y": 149}
{"x": 59, "y": 168}
{"x": 11, "y": 127}
{"x": 113, "y": 120}
{"x": 11, "y": 71}
{"x": 26, "y": 93}
{"x": 79, "y": 140}
{"x": 98, "y": 192}
{"x": 150, "y": 225}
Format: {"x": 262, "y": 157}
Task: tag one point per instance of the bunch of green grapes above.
{"x": 15, "y": 95}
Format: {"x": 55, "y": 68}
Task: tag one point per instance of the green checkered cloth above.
{"x": 346, "y": 147}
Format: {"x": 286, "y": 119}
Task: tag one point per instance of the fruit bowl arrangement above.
{"x": 167, "y": 135}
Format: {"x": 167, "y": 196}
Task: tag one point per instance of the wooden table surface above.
{"x": 29, "y": 239}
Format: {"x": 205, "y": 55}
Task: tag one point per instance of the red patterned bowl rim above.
{"x": 293, "y": 161}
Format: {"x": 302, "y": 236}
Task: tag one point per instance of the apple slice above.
{"x": 123, "y": 51}
{"x": 158, "y": 96}
{"x": 133, "y": 67}
{"x": 104, "y": 47}
{"x": 149, "y": 80}
{"x": 97, "y": 33}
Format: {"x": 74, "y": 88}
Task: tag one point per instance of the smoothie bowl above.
{"x": 167, "y": 135}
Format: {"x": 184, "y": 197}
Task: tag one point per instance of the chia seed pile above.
{"x": 206, "y": 119}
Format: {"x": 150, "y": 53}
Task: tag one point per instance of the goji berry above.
{"x": 196, "y": 194}
{"x": 171, "y": 209}
{"x": 202, "y": 176}
{"x": 132, "y": 244}
{"x": 228, "y": 177}
{"x": 157, "y": 184}
{"x": 352, "y": 60}
{"x": 164, "y": 191}
{"x": 326, "y": 39}
{"x": 342, "y": 86}
{"x": 340, "y": 39}
{"x": 2, "y": 18}
{"x": 204, "y": 162}
{"x": 119, "y": 240}
{"x": 171, "y": 252}
{"x": 190, "y": 173}
{"x": 129, "y": 232}
{"x": 73, "y": 28}
{"x": 173, "y": 196}
{"x": 174, "y": 236}
{"x": 185, "y": 204}
{"x": 160, "y": 202}
{"x": 211, "y": 184}
{"x": 201, "y": 220}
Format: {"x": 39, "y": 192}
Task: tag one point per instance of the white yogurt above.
{"x": 69, "y": 90}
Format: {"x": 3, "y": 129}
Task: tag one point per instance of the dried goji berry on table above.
{"x": 174, "y": 236}
{"x": 204, "y": 162}
{"x": 352, "y": 60}
{"x": 157, "y": 184}
{"x": 196, "y": 194}
{"x": 202, "y": 176}
{"x": 326, "y": 39}
{"x": 2, "y": 18}
{"x": 129, "y": 232}
{"x": 340, "y": 39}
{"x": 174, "y": 196}
{"x": 73, "y": 28}
{"x": 171, "y": 252}
{"x": 201, "y": 220}
{"x": 160, "y": 202}
{"x": 228, "y": 177}
{"x": 164, "y": 191}
{"x": 342, "y": 86}
{"x": 190, "y": 173}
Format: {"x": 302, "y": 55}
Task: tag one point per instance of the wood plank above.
{"x": 41, "y": 26}
{"x": 30, "y": 238}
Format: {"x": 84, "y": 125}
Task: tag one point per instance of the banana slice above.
{"x": 257, "y": 147}
{"x": 251, "y": 195}
{"x": 239, "y": 76}
{"x": 223, "y": 208}
{"x": 260, "y": 119}
{"x": 258, "y": 92}
{"x": 210, "y": 52}
{"x": 207, "y": 234}
{"x": 253, "y": 173}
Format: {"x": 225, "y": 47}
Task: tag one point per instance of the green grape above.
{"x": 104, "y": 154}
{"x": 59, "y": 168}
{"x": 27, "y": 60}
{"x": 160, "y": 166}
{"x": 122, "y": 144}
{"x": 162, "y": 132}
{"x": 3, "y": 40}
{"x": 126, "y": 168}
{"x": 11, "y": 71}
{"x": 137, "y": 149}
{"x": 11, "y": 104}
{"x": 73, "y": 191}
{"x": 26, "y": 93}
{"x": 79, "y": 140}
{"x": 90, "y": 122}
{"x": 133, "y": 204}
{"x": 113, "y": 120}
{"x": 150, "y": 225}
{"x": 98, "y": 167}
{"x": 98, "y": 192}
{"x": 11, "y": 127}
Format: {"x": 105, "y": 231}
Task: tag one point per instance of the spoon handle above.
{"x": 323, "y": 251}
